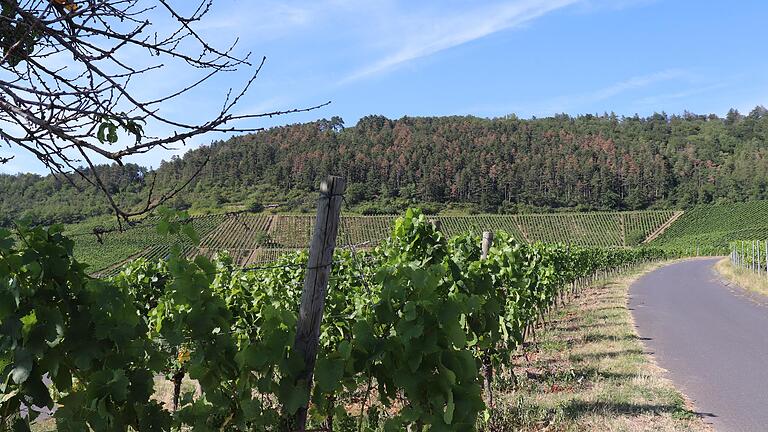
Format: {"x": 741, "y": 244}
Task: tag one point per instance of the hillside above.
{"x": 470, "y": 164}
{"x": 711, "y": 227}
{"x": 256, "y": 238}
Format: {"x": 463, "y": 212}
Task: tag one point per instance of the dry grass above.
{"x": 588, "y": 371}
{"x": 743, "y": 278}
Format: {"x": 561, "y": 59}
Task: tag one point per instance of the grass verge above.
{"x": 745, "y": 279}
{"x": 588, "y": 371}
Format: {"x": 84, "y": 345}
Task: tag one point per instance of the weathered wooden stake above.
{"x": 316, "y": 283}
{"x": 487, "y": 361}
{"x": 436, "y": 224}
{"x": 487, "y": 242}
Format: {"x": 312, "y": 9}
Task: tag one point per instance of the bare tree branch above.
{"x": 68, "y": 76}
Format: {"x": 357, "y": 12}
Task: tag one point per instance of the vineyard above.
{"x": 593, "y": 229}
{"x": 258, "y": 238}
{"x": 413, "y": 337}
{"x": 710, "y": 228}
{"x": 105, "y": 252}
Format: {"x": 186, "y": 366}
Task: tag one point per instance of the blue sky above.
{"x": 483, "y": 58}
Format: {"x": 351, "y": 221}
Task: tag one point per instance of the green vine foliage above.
{"x": 408, "y": 329}
{"x": 82, "y": 334}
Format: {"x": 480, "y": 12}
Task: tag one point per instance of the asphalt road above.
{"x": 711, "y": 338}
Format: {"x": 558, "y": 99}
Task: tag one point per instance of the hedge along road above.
{"x": 711, "y": 338}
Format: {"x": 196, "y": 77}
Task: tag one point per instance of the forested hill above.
{"x": 504, "y": 164}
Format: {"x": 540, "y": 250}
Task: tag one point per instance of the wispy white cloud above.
{"x": 586, "y": 101}
{"x": 414, "y": 37}
{"x": 579, "y": 101}
{"x": 264, "y": 19}
{"x": 636, "y": 82}
{"x": 657, "y": 99}
{"x": 590, "y": 6}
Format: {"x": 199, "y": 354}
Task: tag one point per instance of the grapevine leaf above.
{"x": 189, "y": 231}
{"x": 345, "y": 349}
{"x": 448, "y": 413}
{"x": 414, "y": 360}
{"x": 328, "y": 374}
{"x": 22, "y": 365}
{"x": 363, "y": 336}
{"x": 6, "y": 241}
{"x": 27, "y": 323}
{"x": 293, "y": 396}
{"x": 7, "y": 304}
{"x": 456, "y": 334}
{"x": 251, "y": 409}
{"x": 163, "y": 227}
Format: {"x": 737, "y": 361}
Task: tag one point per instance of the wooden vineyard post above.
{"x": 487, "y": 242}
{"x": 316, "y": 284}
{"x": 766, "y": 257}
{"x": 759, "y": 266}
{"x": 487, "y": 360}
{"x": 436, "y": 224}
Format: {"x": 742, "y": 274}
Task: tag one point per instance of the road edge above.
{"x": 660, "y": 372}
{"x": 741, "y": 283}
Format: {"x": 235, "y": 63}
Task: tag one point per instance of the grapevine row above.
{"x": 244, "y": 235}
{"x": 422, "y": 319}
{"x": 710, "y": 228}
